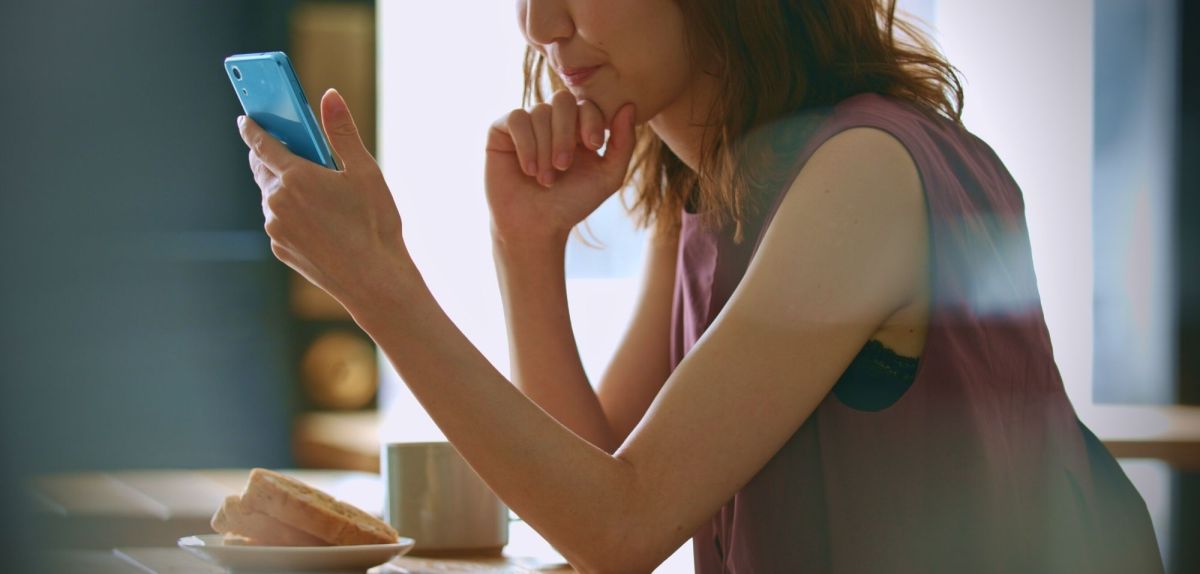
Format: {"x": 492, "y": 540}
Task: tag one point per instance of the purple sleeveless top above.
{"x": 981, "y": 465}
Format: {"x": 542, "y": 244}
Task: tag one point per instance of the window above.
{"x": 437, "y": 98}
{"x": 1136, "y": 116}
{"x": 445, "y": 74}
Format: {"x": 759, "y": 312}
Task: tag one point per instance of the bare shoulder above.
{"x": 863, "y": 163}
{"x": 859, "y": 202}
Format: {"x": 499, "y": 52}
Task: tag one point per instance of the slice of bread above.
{"x": 305, "y": 508}
{"x": 244, "y": 526}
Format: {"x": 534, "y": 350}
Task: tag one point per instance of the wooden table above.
{"x": 140, "y": 560}
{"x": 126, "y": 522}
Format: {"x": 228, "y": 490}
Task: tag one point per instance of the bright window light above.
{"x": 438, "y": 95}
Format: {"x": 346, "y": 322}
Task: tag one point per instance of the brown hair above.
{"x": 774, "y": 58}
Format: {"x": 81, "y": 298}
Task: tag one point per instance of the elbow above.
{"x": 614, "y": 560}
{"x": 623, "y": 537}
{"x": 624, "y": 545}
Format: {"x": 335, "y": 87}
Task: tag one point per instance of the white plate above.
{"x": 242, "y": 558}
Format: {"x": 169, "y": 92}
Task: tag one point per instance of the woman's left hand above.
{"x": 339, "y": 229}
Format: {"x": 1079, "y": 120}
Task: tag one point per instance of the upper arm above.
{"x": 844, "y": 251}
{"x": 641, "y": 363}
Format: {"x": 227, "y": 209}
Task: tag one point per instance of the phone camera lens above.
{"x": 237, "y": 74}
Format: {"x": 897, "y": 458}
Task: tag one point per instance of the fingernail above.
{"x": 531, "y": 168}
{"x": 339, "y": 106}
{"x": 562, "y": 161}
{"x": 546, "y": 179}
{"x": 241, "y": 121}
{"x": 597, "y": 140}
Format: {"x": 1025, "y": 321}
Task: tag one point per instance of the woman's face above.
{"x": 613, "y": 52}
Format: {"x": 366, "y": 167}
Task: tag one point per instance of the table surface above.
{"x": 139, "y": 560}
{"x": 125, "y": 522}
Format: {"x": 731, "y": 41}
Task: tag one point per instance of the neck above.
{"x": 681, "y": 124}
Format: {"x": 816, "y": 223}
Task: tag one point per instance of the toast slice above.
{"x": 241, "y": 525}
{"x": 305, "y": 508}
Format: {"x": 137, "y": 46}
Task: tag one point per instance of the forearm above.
{"x": 642, "y": 362}
{"x": 544, "y": 356}
{"x": 570, "y": 491}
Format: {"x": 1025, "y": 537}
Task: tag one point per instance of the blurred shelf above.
{"x": 1170, "y": 433}
{"x": 312, "y": 303}
{"x": 346, "y": 441}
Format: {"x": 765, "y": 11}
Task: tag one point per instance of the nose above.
{"x": 547, "y": 22}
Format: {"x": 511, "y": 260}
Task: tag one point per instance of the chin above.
{"x": 609, "y": 106}
{"x": 608, "y": 100}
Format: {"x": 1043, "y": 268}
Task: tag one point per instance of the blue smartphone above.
{"x": 271, "y": 95}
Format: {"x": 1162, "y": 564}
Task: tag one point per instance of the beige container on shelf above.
{"x": 339, "y": 371}
{"x": 333, "y": 46}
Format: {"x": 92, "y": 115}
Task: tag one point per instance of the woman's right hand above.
{"x": 543, "y": 172}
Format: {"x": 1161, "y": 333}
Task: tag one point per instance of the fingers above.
{"x": 540, "y": 117}
{"x": 591, "y": 125}
{"x": 263, "y": 176}
{"x": 622, "y": 138}
{"x": 520, "y": 129}
{"x": 562, "y": 130}
{"x": 342, "y": 131}
{"x": 547, "y": 137}
{"x": 269, "y": 150}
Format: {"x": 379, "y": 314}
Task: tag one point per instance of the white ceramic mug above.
{"x": 434, "y": 497}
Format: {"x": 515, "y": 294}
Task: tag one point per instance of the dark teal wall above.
{"x": 144, "y": 320}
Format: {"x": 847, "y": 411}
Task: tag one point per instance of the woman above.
{"x": 839, "y": 361}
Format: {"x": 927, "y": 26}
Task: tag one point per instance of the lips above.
{"x": 577, "y": 76}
